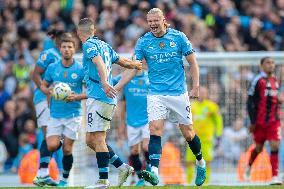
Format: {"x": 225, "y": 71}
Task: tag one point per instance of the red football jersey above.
{"x": 263, "y": 105}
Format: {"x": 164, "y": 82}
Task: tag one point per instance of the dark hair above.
{"x": 263, "y": 59}
{"x": 54, "y": 33}
{"x": 67, "y": 37}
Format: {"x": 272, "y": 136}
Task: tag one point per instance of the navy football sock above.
{"x": 45, "y": 155}
{"x": 137, "y": 164}
{"x": 113, "y": 158}
{"x": 155, "y": 150}
{"x": 195, "y": 147}
{"x": 103, "y": 161}
{"x": 67, "y": 165}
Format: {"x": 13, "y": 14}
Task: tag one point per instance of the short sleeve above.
{"x": 138, "y": 52}
{"x": 47, "y": 75}
{"x": 42, "y": 60}
{"x": 90, "y": 50}
{"x": 113, "y": 55}
{"x": 186, "y": 46}
{"x": 252, "y": 90}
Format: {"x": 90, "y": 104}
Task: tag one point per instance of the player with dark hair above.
{"x": 46, "y": 57}
{"x": 264, "y": 113}
{"x": 64, "y": 123}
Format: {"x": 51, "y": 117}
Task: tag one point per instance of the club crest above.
{"x": 43, "y": 57}
{"x": 74, "y": 76}
{"x": 172, "y": 44}
{"x": 162, "y": 45}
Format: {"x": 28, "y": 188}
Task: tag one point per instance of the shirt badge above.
{"x": 172, "y": 44}
{"x": 74, "y": 76}
{"x": 65, "y": 74}
{"x": 43, "y": 57}
{"x": 162, "y": 45}
{"x": 140, "y": 82}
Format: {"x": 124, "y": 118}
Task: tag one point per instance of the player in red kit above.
{"x": 264, "y": 113}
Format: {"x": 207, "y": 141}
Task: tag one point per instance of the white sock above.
{"x": 122, "y": 167}
{"x": 155, "y": 170}
{"x": 201, "y": 163}
{"x": 43, "y": 172}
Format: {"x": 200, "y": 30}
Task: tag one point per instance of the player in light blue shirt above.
{"x": 98, "y": 58}
{"x": 133, "y": 108}
{"x": 163, "y": 49}
{"x": 73, "y": 76}
{"x": 46, "y": 57}
{"x": 66, "y": 116}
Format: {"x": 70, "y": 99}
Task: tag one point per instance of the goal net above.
{"x": 227, "y": 77}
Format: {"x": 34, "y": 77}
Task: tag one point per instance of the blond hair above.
{"x": 86, "y": 25}
{"x": 159, "y": 12}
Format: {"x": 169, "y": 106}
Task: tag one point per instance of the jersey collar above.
{"x": 92, "y": 37}
{"x": 68, "y": 66}
{"x": 167, "y": 30}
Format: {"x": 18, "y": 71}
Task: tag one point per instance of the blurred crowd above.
{"x": 211, "y": 25}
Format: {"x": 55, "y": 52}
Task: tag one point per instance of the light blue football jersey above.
{"x": 73, "y": 76}
{"x": 164, "y": 56}
{"x": 45, "y": 58}
{"x": 135, "y": 94}
{"x": 92, "y": 48}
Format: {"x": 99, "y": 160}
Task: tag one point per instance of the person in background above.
{"x": 24, "y": 148}
{"x": 208, "y": 125}
{"x": 264, "y": 113}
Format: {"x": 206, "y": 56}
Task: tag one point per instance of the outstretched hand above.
{"x": 72, "y": 97}
{"x": 138, "y": 65}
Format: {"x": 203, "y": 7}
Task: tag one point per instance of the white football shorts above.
{"x": 99, "y": 115}
{"x": 176, "y": 109}
{"x": 42, "y": 113}
{"x": 136, "y": 135}
{"x": 64, "y": 127}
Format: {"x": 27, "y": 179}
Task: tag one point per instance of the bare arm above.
{"x": 127, "y": 75}
{"x": 44, "y": 87}
{"x": 109, "y": 90}
{"x": 76, "y": 97}
{"x": 128, "y": 63}
{"x": 194, "y": 71}
{"x": 122, "y": 127}
{"x": 36, "y": 76}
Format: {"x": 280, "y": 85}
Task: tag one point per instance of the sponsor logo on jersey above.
{"x": 91, "y": 49}
{"x": 65, "y": 74}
